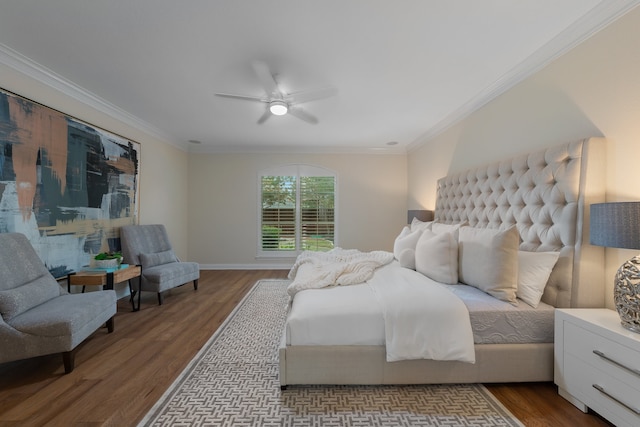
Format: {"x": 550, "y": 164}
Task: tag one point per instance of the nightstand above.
{"x": 597, "y": 364}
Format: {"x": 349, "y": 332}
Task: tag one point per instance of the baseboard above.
{"x": 270, "y": 266}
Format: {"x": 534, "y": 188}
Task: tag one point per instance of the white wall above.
{"x": 164, "y": 191}
{"x": 224, "y": 196}
{"x": 209, "y": 202}
{"x": 594, "y": 90}
{"x": 163, "y": 167}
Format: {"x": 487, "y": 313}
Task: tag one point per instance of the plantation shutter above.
{"x": 297, "y": 210}
{"x": 278, "y": 213}
{"x": 317, "y": 196}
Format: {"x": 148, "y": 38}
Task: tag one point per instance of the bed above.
{"x": 543, "y": 196}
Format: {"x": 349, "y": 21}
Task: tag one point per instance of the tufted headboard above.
{"x": 546, "y": 195}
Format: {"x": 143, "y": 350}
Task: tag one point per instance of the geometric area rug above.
{"x": 233, "y": 381}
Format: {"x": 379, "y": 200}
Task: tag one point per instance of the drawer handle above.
{"x": 602, "y": 390}
{"x": 615, "y": 362}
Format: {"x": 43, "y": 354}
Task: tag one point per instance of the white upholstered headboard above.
{"x": 546, "y": 194}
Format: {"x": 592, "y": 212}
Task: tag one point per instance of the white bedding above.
{"x": 342, "y": 315}
{"x": 423, "y": 319}
{"x": 314, "y": 270}
{"x": 420, "y": 318}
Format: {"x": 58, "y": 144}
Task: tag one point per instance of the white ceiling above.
{"x": 404, "y": 69}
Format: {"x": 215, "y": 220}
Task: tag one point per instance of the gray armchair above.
{"x": 37, "y": 315}
{"x": 149, "y": 247}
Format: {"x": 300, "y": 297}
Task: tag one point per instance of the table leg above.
{"x": 69, "y": 282}
{"x": 133, "y": 295}
{"x": 109, "y": 284}
{"x": 139, "y": 290}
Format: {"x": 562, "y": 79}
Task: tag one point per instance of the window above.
{"x": 297, "y": 210}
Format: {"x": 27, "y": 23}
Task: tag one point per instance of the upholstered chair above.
{"x": 149, "y": 247}
{"x": 37, "y": 315}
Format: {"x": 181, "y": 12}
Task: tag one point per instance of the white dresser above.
{"x": 597, "y": 364}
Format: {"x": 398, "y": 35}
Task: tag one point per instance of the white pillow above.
{"x": 488, "y": 260}
{"x": 438, "y": 228}
{"x": 407, "y": 239}
{"x": 436, "y": 257}
{"x": 407, "y": 258}
{"x": 416, "y": 224}
{"x": 534, "y": 269}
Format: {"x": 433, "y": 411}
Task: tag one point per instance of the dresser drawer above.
{"x": 582, "y": 380}
{"x": 616, "y": 360}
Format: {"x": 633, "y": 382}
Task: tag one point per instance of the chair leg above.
{"x": 68, "y": 358}
{"x": 159, "y": 298}
{"x": 195, "y": 284}
{"x": 110, "y": 324}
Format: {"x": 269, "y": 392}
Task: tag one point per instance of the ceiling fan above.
{"x": 279, "y": 103}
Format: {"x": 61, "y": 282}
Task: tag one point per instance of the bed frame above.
{"x": 546, "y": 194}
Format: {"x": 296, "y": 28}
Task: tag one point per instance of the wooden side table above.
{"x": 107, "y": 278}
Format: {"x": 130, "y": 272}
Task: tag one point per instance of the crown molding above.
{"x": 593, "y": 21}
{"x": 220, "y": 149}
{"x": 596, "y": 19}
{"x": 29, "y": 68}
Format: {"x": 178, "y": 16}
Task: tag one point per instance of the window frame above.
{"x": 298, "y": 170}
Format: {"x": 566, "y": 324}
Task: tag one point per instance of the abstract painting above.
{"x": 67, "y": 185}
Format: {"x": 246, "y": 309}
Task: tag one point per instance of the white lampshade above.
{"x": 278, "y": 108}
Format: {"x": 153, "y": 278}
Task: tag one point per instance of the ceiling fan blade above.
{"x": 243, "y": 97}
{"x": 303, "y": 115}
{"x": 264, "y": 117}
{"x": 266, "y": 78}
{"x": 311, "y": 95}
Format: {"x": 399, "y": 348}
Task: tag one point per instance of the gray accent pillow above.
{"x": 158, "y": 258}
{"x": 18, "y": 300}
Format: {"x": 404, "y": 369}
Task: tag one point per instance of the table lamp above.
{"x": 617, "y": 225}
{"x": 423, "y": 215}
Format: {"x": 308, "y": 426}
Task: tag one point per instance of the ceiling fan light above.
{"x": 278, "y": 108}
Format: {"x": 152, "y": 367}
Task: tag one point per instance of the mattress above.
{"x": 352, "y": 315}
{"x": 498, "y": 322}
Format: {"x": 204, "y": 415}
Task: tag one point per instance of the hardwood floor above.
{"x": 119, "y": 376}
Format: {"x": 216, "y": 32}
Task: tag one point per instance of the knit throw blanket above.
{"x": 314, "y": 270}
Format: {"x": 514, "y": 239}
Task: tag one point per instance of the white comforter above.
{"x": 422, "y": 318}
{"x": 315, "y": 270}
